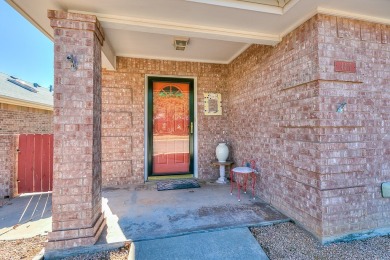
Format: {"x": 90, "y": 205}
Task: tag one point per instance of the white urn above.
{"x": 222, "y": 152}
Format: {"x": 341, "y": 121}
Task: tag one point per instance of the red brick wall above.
{"x": 355, "y": 144}
{"x": 322, "y": 168}
{"x": 25, "y": 120}
{"x": 8, "y": 165}
{"x": 123, "y": 116}
{"x": 16, "y": 120}
{"x": 273, "y": 101}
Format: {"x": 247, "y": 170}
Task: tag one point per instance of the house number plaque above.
{"x": 345, "y": 66}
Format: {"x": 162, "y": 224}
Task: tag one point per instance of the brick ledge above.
{"x": 55, "y": 244}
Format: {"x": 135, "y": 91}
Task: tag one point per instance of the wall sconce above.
{"x": 72, "y": 59}
{"x": 340, "y": 107}
{"x": 180, "y": 43}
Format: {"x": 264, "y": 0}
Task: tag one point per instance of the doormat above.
{"x": 177, "y": 184}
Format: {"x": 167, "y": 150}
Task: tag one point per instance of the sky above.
{"x": 25, "y": 52}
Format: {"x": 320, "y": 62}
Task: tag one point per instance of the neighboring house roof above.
{"x": 15, "y": 91}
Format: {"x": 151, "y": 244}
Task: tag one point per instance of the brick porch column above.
{"x": 77, "y": 209}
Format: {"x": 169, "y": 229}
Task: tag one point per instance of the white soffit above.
{"x": 151, "y": 45}
{"x": 264, "y": 6}
{"x": 174, "y": 28}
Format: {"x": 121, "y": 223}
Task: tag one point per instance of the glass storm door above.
{"x": 170, "y": 126}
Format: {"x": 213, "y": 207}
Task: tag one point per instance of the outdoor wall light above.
{"x": 72, "y": 59}
{"x": 340, "y": 107}
{"x": 180, "y": 43}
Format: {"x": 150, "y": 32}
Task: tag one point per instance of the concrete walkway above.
{"x": 227, "y": 244}
{"x": 204, "y": 223}
{"x": 26, "y": 216}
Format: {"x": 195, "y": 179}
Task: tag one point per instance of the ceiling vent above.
{"x": 180, "y": 43}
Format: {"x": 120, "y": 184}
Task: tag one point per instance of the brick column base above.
{"x": 75, "y": 237}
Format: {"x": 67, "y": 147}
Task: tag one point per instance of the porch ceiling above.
{"x": 219, "y": 30}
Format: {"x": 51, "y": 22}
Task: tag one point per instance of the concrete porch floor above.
{"x": 206, "y": 221}
{"x": 140, "y": 213}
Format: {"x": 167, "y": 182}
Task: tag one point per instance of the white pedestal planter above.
{"x": 222, "y": 152}
{"x": 222, "y": 171}
{"x": 222, "y": 178}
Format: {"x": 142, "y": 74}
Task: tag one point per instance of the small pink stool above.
{"x": 240, "y": 176}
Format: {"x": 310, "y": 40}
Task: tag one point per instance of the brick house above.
{"x": 304, "y": 86}
{"x": 25, "y": 108}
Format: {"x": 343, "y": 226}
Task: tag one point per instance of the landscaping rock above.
{"x": 288, "y": 241}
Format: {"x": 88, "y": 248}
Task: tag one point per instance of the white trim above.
{"x": 238, "y": 53}
{"x": 356, "y": 16}
{"x": 146, "y": 121}
{"x": 263, "y": 8}
{"x": 24, "y": 103}
{"x": 151, "y": 57}
{"x": 108, "y": 56}
{"x": 298, "y": 23}
{"x": 188, "y": 30}
{"x": 250, "y": 6}
{"x": 289, "y": 5}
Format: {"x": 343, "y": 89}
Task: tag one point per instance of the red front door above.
{"x": 171, "y": 127}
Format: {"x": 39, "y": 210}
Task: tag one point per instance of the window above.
{"x": 170, "y": 91}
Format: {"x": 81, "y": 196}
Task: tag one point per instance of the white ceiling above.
{"x": 219, "y": 30}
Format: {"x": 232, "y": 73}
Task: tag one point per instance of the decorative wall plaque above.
{"x": 345, "y": 66}
{"x": 212, "y": 104}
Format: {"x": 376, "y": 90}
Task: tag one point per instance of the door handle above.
{"x": 192, "y": 128}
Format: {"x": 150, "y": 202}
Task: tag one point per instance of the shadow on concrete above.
{"x": 26, "y": 216}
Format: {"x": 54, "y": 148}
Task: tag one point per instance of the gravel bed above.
{"x": 30, "y": 247}
{"x": 288, "y": 241}
{"x": 120, "y": 254}
{"x": 21, "y": 248}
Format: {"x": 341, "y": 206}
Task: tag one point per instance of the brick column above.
{"x": 77, "y": 209}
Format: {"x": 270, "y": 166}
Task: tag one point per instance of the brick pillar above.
{"x": 77, "y": 209}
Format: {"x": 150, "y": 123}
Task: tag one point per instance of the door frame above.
{"x": 146, "y": 129}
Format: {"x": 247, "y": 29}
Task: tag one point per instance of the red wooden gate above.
{"x": 35, "y": 163}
